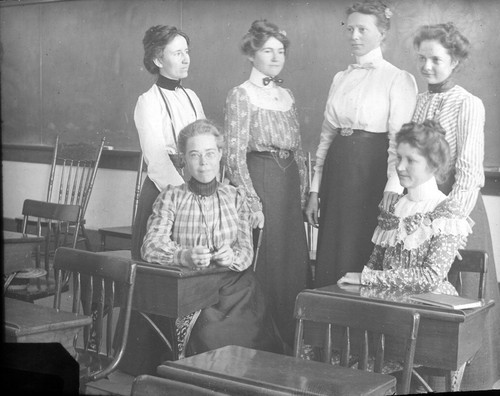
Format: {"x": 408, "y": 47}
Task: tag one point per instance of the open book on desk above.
{"x": 446, "y": 301}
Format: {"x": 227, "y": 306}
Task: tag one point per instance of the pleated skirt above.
{"x": 352, "y": 186}
{"x": 283, "y": 261}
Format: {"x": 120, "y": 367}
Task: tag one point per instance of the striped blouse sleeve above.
{"x": 469, "y": 176}
{"x": 237, "y": 131}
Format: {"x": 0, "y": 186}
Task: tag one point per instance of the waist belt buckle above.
{"x": 346, "y": 131}
{"x": 283, "y": 154}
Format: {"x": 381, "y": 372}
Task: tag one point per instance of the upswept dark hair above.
{"x": 155, "y": 40}
{"x": 259, "y": 33}
{"x": 196, "y": 128}
{"x": 448, "y": 36}
{"x": 429, "y": 139}
{"x": 376, "y": 8}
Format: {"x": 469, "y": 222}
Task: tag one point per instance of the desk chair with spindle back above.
{"x": 73, "y": 171}
{"x": 62, "y": 223}
{"x": 471, "y": 261}
{"x": 380, "y": 321}
{"x": 100, "y": 282}
{"x": 125, "y": 232}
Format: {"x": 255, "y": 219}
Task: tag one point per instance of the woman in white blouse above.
{"x": 367, "y": 104}
{"x": 160, "y": 114}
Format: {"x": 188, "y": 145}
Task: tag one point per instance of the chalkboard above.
{"x": 75, "y": 67}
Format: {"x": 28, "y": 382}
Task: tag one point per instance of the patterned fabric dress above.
{"x": 462, "y": 116}
{"x": 182, "y": 219}
{"x": 264, "y": 155}
{"x": 416, "y": 242}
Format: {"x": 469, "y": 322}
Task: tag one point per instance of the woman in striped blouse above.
{"x": 441, "y": 51}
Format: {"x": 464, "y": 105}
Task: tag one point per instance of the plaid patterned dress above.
{"x": 182, "y": 219}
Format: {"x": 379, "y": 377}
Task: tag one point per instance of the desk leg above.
{"x": 454, "y": 379}
{"x": 170, "y": 345}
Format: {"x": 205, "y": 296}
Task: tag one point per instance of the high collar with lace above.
{"x": 202, "y": 189}
{"x": 423, "y": 191}
{"x": 257, "y": 77}
{"x": 444, "y": 86}
{"x": 374, "y": 57}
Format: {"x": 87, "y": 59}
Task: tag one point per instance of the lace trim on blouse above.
{"x": 412, "y": 231}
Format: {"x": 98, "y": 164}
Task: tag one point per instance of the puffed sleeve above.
{"x": 158, "y": 246}
{"x": 237, "y": 131}
{"x": 243, "y": 246}
{"x": 148, "y": 117}
{"x": 328, "y": 133}
{"x": 300, "y": 159}
{"x": 469, "y": 172}
{"x": 434, "y": 269}
{"x": 403, "y": 99}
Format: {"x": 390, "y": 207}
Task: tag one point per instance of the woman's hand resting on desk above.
{"x": 311, "y": 209}
{"x": 352, "y": 278}
{"x": 224, "y": 256}
{"x": 198, "y": 257}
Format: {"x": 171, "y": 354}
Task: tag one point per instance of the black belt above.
{"x": 280, "y": 153}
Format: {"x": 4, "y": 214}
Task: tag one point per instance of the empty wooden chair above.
{"x": 125, "y": 231}
{"x": 100, "y": 282}
{"x": 62, "y": 223}
{"x": 73, "y": 171}
{"x": 475, "y": 261}
{"x": 381, "y": 321}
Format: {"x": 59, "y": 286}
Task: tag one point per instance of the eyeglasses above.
{"x": 197, "y": 156}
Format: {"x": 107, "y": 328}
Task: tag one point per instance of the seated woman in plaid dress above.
{"x": 206, "y": 223}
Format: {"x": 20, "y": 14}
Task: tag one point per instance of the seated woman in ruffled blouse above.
{"x": 417, "y": 240}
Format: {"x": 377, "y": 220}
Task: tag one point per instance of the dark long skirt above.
{"x": 149, "y": 193}
{"x": 239, "y": 318}
{"x": 484, "y": 369}
{"x": 352, "y": 186}
{"x": 282, "y": 266}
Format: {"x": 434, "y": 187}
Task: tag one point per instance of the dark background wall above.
{"x": 75, "y": 67}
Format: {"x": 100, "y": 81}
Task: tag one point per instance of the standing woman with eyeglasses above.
{"x": 264, "y": 155}
{"x": 366, "y": 106}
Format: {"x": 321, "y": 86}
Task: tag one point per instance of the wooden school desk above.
{"x": 447, "y": 338}
{"x": 174, "y": 292}
{"x": 18, "y": 249}
{"x": 243, "y": 371}
{"x": 28, "y": 322}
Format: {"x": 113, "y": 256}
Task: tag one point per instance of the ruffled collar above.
{"x": 167, "y": 83}
{"x": 444, "y": 86}
{"x": 423, "y": 191}
{"x": 203, "y": 189}
{"x": 257, "y": 77}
